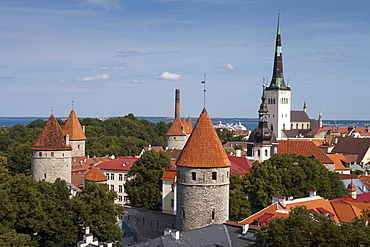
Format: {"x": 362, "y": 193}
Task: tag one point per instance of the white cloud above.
{"x": 169, "y": 76}
{"x": 228, "y": 66}
{"x": 105, "y": 68}
{"x": 112, "y": 66}
{"x": 94, "y": 78}
{"x": 137, "y": 81}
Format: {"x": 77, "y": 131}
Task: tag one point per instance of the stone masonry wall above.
{"x": 177, "y": 142}
{"x": 78, "y": 147}
{"x": 148, "y": 224}
{"x": 51, "y": 165}
{"x": 202, "y": 201}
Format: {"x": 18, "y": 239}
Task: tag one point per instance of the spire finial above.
{"x": 72, "y": 103}
{"x": 52, "y": 110}
{"x": 204, "y": 91}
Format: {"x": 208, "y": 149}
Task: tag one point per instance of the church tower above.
{"x": 180, "y": 130}
{"x": 51, "y": 154}
{"x": 262, "y": 142}
{"x": 202, "y": 179}
{"x": 278, "y": 94}
{"x": 76, "y": 134}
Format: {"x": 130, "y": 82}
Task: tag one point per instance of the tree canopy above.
{"x": 144, "y": 190}
{"x": 290, "y": 175}
{"x": 308, "y": 228}
{"x": 38, "y": 213}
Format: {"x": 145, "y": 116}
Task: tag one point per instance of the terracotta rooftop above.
{"x": 203, "y": 148}
{"x": 317, "y": 141}
{"x": 339, "y": 161}
{"x": 306, "y": 148}
{"x": 121, "y": 163}
{"x": 180, "y": 127}
{"x": 95, "y": 174}
{"x": 82, "y": 164}
{"x": 51, "y": 137}
{"x": 73, "y": 128}
{"x": 240, "y": 165}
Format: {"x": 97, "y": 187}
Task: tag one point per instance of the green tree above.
{"x": 144, "y": 190}
{"x": 239, "y": 205}
{"x": 290, "y": 175}
{"x": 95, "y": 208}
{"x": 308, "y": 228}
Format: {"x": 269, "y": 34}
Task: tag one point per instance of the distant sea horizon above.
{"x": 249, "y": 123}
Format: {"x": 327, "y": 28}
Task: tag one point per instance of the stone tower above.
{"x": 76, "y": 134}
{"x": 278, "y": 94}
{"x": 51, "y": 153}
{"x": 262, "y": 141}
{"x": 180, "y": 130}
{"x": 202, "y": 179}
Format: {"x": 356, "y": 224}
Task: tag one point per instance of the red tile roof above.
{"x": 203, "y": 148}
{"x": 95, "y": 174}
{"x": 51, "y": 137}
{"x": 177, "y": 128}
{"x": 339, "y": 161}
{"x": 118, "y": 164}
{"x": 306, "y": 148}
{"x": 73, "y": 128}
{"x": 240, "y": 165}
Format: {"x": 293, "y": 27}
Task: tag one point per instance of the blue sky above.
{"x": 117, "y": 57}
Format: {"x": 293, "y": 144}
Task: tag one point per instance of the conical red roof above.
{"x": 177, "y": 128}
{"x": 73, "y": 128}
{"x": 95, "y": 174}
{"x": 51, "y": 137}
{"x": 203, "y": 148}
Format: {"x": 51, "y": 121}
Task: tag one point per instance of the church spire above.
{"x": 277, "y": 81}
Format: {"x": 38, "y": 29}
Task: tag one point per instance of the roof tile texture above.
{"x": 51, "y": 137}
{"x": 203, "y": 148}
{"x": 306, "y": 148}
{"x": 73, "y": 128}
{"x": 180, "y": 127}
{"x": 95, "y": 174}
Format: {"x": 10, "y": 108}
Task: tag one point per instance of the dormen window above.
{"x": 214, "y": 175}
{"x": 194, "y": 175}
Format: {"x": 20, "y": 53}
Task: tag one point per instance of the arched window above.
{"x": 283, "y": 126}
{"x": 258, "y": 152}
{"x": 266, "y": 153}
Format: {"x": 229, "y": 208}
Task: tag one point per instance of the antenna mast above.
{"x": 204, "y": 91}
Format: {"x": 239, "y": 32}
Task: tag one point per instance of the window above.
{"x": 120, "y": 198}
{"x": 213, "y": 214}
{"x": 112, "y": 176}
{"x": 40, "y": 154}
{"x": 183, "y": 214}
{"x": 107, "y": 175}
{"x": 172, "y": 203}
{"x": 266, "y": 152}
{"x": 194, "y": 175}
{"x": 44, "y": 175}
{"x": 120, "y": 189}
{"x": 125, "y": 199}
{"x": 111, "y": 187}
{"x": 214, "y": 175}
{"x": 120, "y": 177}
{"x": 52, "y": 154}
{"x": 258, "y": 152}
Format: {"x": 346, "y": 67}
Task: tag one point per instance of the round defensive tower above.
{"x": 51, "y": 154}
{"x": 202, "y": 179}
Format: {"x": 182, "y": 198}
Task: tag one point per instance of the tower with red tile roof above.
{"x": 180, "y": 130}
{"x": 76, "y": 134}
{"x": 51, "y": 153}
{"x": 202, "y": 179}
{"x": 278, "y": 93}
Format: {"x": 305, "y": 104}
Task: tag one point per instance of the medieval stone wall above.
{"x": 148, "y": 224}
{"x": 78, "y": 147}
{"x": 50, "y": 165}
{"x": 203, "y": 198}
{"x": 177, "y": 142}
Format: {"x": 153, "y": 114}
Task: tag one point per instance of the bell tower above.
{"x": 278, "y": 94}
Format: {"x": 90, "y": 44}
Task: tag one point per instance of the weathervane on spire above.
{"x": 72, "y": 103}
{"x": 52, "y": 110}
{"x": 204, "y": 90}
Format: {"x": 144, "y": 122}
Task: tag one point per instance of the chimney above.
{"x": 67, "y": 139}
{"x": 282, "y": 201}
{"x": 177, "y": 103}
{"x": 175, "y": 234}
{"x": 245, "y": 228}
{"x": 351, "y": 190}
{"x": 275, "y": 199}
{"x": 312, "y": 193}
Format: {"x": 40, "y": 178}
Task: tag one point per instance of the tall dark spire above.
{"x": 277, "y": 81}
